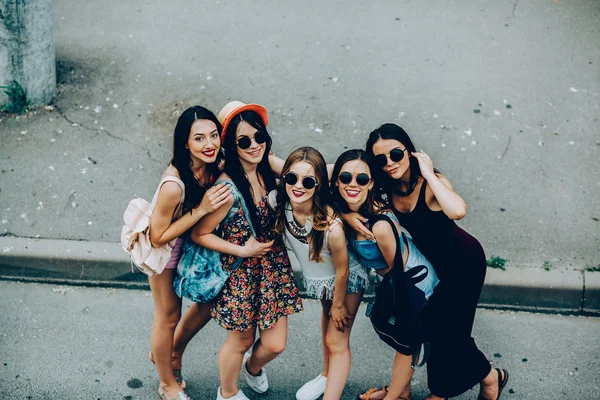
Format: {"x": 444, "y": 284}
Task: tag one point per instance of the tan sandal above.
{"x": 176, "y": 373}
{"x": 372, "y": 390}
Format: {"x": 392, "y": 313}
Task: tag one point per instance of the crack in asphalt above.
{"x": 506, "y": 149}
{"x": 514, "y": 10}
{"x": 62, "y": 114}
{"x": 11, "y": 234}
{"x": 88, "y": 128}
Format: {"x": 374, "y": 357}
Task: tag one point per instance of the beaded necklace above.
{"x": 301, "y": 231}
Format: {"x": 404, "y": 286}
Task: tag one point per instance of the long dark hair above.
{"x": 183, "y": 161}
{"x": 234, "y": 168}
{"x": 370, "y": 206}
{"x": 384, "y": 185}
{"x": 319, "y": 200}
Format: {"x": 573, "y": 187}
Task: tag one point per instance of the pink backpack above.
{"x": 135, "y": 235}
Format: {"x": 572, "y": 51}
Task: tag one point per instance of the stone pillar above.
{"x": 27, "y": 54}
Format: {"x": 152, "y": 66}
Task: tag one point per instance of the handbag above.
{"x": 135, "y": 234}
{"x": 200, "y": 276}
{"x": 398, "y": 311}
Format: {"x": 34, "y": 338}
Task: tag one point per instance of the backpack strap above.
{"x": 272, "y": 198}
{"x": 415, "y": 274}
{"x": 417, "y": 360}
{"x": 238, "y": 202}
{"x": 178, "y": 181}
{"x": 398, "y": 261}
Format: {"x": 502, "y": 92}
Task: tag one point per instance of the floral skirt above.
{"x": 258, "y": 293}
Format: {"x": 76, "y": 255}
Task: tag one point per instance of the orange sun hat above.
{"x": 235, "y": 107}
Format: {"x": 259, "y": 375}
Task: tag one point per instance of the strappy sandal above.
{"x": 180, "y": 396}
{"x": 176, "y": 373}
{"x": 372, "y": 390}
{"x": 501, "y": 383}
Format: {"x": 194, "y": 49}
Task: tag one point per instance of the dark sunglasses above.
{"x": 362, "y": 179}
{"x": 260, "y": 137}
{"x": 396, "y": 155}
{"x": 308, "y": 182}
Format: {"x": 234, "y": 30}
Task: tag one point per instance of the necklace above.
{"x": 409, "y": 191}
{"x": 200, "y": 181}
{"x": 301, "y": 231}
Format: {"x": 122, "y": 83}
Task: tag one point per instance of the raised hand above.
{"x": 214, "y": 198}
{"x": 425, "y": 164}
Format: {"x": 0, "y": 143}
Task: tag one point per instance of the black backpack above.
{"x": 398, "y": 311}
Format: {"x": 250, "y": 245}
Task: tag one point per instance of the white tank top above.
{"x": 319, "y": 277}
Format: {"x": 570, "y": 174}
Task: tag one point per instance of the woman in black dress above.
{"x": 427, "y": 206}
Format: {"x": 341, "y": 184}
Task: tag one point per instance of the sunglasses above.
{"x": 362, "y": 179}
{"x": 260, "y": 137}
{"x": 396, "y": 155}
{"x": 308, "y": 182}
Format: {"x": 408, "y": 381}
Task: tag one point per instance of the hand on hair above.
{"x": 425, "y": 164}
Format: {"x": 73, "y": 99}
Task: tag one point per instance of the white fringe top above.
{"x": 319, "y": 277}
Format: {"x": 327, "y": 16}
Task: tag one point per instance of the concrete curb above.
{"x": 106, "y": 264}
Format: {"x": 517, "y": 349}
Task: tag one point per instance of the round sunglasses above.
{"x": 396, "y": 155}
{"x": 245, "y": 142}
{"x": 362, "y": 179}
{"x": 308, "y": 182}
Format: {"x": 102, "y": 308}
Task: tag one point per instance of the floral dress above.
{"x": 263, "y": 289}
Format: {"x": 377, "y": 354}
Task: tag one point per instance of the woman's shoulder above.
{"x": 382, "y": 227}
{"x": 171, "y": 191}
{"x": 223, "y": 177}
{"x": 382, "y": 209}
{"x": 332, "y": 216}
{"x": 171, "y": 171}
{"x": 168, "y": 185}
{"x": 335, "y": 235}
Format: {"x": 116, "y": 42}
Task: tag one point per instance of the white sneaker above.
{"x": 238, "y": 396}
{"x": 312, "y": 390}
{"x": 260, "y": 383}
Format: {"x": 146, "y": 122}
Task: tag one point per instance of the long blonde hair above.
{"x": 320, "y": 200}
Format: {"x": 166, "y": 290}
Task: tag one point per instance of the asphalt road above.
{"x": 59, "y": 342}
{"x": 503, "y": 95}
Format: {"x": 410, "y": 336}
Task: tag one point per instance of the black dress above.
{"x": 455, "y": 363}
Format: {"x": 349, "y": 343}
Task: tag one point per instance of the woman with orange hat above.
{"x": 261, "y": 292}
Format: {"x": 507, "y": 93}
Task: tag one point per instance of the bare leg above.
{"x": 340, "y": 358}
{"x": 489, "y": 385}
{"x": 325, "y": 318}
{"x": 271, "y": 343}
{"x": 167, "y": 311}
{"x": 400, "y": 384}
{"x": 401, "y": 374}
{"x": 194, "y": 319}
{"x": 230, "y": 360}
